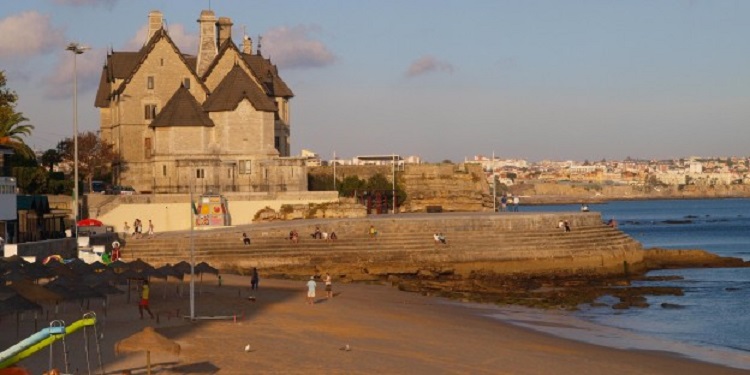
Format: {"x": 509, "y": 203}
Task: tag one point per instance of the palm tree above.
{"x": 11, "y": 132}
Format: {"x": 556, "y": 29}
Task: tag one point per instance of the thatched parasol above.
{"x": 98, "y": 266}
{"x": 140, "y": 266}
{"x": 183, "y": 267}
{"x": 119, "y": 266}
{"x": 17, "y": 304}
{"x": 202, "y": 268}
{"x": 149, "y": 341}
{"x": 59, "y": 269}
{"x": 79, "y": 267}
{"x": 34, "y": 292}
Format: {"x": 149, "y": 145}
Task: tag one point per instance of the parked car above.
{"x": 120, "y": 190}
{"x": 98, "y": 187}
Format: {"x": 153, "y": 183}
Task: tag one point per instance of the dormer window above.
{"x": 186, "y": 83}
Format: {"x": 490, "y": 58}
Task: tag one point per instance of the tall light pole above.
{"x": 76, "y": 49}
{"x": 393, "y": 156}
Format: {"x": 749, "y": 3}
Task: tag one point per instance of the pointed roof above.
{"x": 124, "y": 65}
{"x": 235, "y": 87}
{"x": 119, "y": 65}
{"x": 182, "y": 110}
{"x": 269, "y": 75}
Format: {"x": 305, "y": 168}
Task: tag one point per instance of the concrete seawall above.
{"x": 507, "y": 243}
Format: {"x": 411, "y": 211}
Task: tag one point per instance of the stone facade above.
{"x": 168, "y": 135}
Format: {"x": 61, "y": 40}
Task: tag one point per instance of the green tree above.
{"x": 95, "y": 156}
{"x": 350, "y": 184}
{"x": 12, "y": 123}
{"x": 50, "y": 158}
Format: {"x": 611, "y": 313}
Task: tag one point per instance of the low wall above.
{"x": 171, "y": 212}
{"x": 64, "y": 247}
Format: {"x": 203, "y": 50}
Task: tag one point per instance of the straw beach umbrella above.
{"x": 149, "y": 341}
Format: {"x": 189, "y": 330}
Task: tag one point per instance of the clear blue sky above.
{"x": 439, "y": 79}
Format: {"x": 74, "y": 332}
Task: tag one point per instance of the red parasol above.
{"x": 90, "y": 223}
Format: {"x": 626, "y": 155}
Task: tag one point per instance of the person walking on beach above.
{"x": 373, "y": 231}
{"x": 516, "y": 201}
{"x": 150, "y": 229}
{"x": 329, "y": 286}
{"x": 125, "y": 230}
{"x": 143, "y": 304}
{"x": 254, "y": 279}
{"x": 311, "y": 285}
{"x": 245, "y": 239}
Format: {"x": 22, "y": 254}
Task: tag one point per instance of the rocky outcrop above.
{"x": 452, "y": 187}
{"x": 344, "y": 208}
{"x": 657, "y": 258}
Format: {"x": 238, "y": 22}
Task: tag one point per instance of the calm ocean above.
{"x": 715, "y": 318}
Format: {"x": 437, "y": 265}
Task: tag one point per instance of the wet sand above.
{"x": 387, "y": 331}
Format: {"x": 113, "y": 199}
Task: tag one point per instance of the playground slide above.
{"x": 40, "y": 340}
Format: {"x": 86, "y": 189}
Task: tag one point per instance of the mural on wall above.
{"x": 211, "y": 211}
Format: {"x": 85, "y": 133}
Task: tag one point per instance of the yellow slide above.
{"x": 45, "y": 342}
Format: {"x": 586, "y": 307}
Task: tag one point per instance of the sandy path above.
{"x": 388, "y": 332}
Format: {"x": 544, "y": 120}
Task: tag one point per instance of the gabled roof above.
{"x": 102, "y": 93}
{"x": 119, "y": 65}
{"x": 268, "y": 75}
{"x": 124, "y": 65}
{"x": 223, "y": 48}
{"x": 182, "y": 110}
{"x": 235, "y": 87}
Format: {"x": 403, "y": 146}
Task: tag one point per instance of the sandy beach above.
{"x": 387, "y": 331}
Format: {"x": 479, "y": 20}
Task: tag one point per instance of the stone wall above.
{"x": 171, "y": 212}
{"x": 64, "y": 247}
{"x": 453, "y": 187}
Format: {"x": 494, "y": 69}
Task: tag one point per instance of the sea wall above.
{"x": 518, "y": 243}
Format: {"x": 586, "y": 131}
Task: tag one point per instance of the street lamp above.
{"x": 76, "y": 49}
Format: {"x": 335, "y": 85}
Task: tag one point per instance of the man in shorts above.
{"x": 311, "y": 285}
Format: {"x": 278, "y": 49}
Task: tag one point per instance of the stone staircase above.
{"x": 404, "y": 244}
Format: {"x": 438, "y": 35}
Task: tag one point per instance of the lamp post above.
{"x": 76, "y": 49}
{"x": 393, "y": 157}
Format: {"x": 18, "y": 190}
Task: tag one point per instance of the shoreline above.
{"x": 555, "y": 200}
{"x": 569, "y": 325}
{"x": 389, "y": 331}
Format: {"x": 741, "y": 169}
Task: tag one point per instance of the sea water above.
{"x": 711, "y": 321}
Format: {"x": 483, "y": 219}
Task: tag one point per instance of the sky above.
{"x": 531, "y": 79}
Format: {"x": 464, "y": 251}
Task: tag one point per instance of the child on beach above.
{"x": 311, "y": 285}
{"x": 143, "y": 304}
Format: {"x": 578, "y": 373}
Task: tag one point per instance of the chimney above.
{"x": 225, "y": 29}
{"x": 207, "y": 44}
{"x": 155, "y": 19}
{"x": 247, "y": 45}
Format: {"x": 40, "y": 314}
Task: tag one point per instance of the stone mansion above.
{"x": 218, "y": 121}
